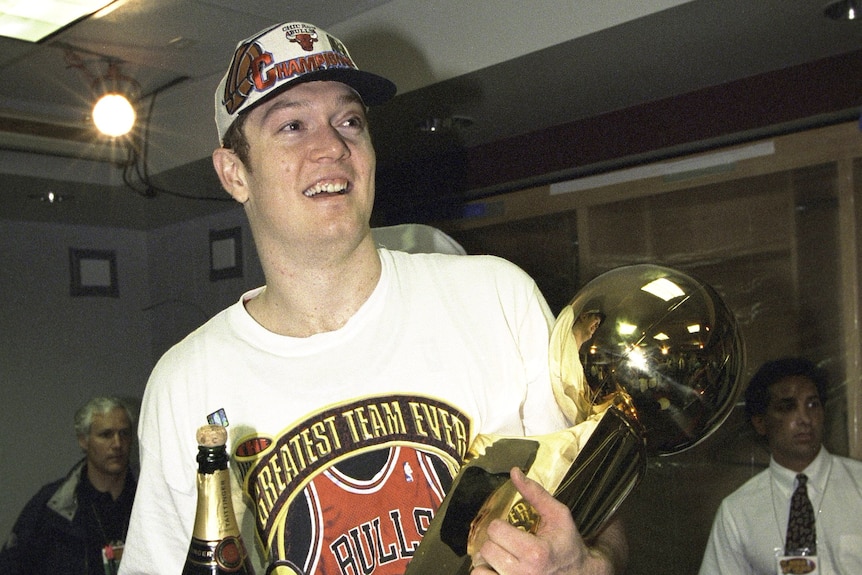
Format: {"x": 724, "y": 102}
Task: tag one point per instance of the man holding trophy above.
{"x": 357, "y": 381}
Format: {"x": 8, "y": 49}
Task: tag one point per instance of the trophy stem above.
{"x": 606, "y": 470}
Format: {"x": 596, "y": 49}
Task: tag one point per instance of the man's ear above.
{"x": 759, "y": 424}
{"x": 231, "y": 173}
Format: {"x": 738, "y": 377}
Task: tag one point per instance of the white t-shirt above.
{"x": 750, "y": 526}
{"x": 445, "y": 348}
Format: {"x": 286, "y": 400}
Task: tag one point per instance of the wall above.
{"x": 57, "y": 351}
{"x": 175, "y": 308}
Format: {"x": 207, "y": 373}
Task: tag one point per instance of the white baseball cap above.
{"x": 282, "y": 56}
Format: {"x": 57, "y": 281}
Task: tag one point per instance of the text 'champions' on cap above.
{"x": 282, "y": 56}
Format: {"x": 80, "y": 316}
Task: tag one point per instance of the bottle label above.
{"x": 228, "y": 553}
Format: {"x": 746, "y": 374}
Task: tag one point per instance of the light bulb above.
{"x": 114, "y": 115}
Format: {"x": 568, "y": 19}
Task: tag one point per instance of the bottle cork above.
{"x": 211, "y": 435}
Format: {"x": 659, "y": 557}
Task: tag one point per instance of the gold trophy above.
{"x": 645, "y": 360}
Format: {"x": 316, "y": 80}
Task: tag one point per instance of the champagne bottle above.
{"x": 216, "y": 547}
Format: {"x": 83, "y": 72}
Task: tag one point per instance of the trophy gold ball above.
{"x": 670, "y": 343}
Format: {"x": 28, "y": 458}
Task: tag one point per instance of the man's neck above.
{"x": 797, "y": 465}
{"x": 107, "y": 483}
{"x": 304, "y": 300}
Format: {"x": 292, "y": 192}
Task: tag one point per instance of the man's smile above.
{"x": 326, "y": 188}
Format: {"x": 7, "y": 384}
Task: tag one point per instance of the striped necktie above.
{"x": 800, "y": 525}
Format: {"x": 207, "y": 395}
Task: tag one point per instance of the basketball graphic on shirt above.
{"x": 329, "y": 529}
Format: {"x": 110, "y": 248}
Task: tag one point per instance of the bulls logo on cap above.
{"x": 305, "y": 39}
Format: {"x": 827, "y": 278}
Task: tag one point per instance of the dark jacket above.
{"x": 53, "y": 535}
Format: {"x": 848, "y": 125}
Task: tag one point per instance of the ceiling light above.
{"x": 625, "y": 328}
{"x": 35, "y": 21}
{"x": 453, "y": 123}
{"x": 663, "y": 288}
{"x": 113, "y": 113}
{"x": 430, "y": 125}
{"x": 844, "y": 10}
{"x": 51, "y": 197}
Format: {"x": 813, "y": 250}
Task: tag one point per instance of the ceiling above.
{"x": 494, "y": 69}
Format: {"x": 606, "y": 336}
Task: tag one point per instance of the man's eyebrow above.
{"x": 281, "y": 105}
{"x": 351, "y": 98}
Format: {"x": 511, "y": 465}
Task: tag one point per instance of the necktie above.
{"x": 800, "y": 525}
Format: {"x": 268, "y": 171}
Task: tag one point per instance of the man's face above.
{"x": 793, "y": 422}
{"x": 310, "y": 173}
{"x": 109, "y": 442}
{"x": 585, "y": 326}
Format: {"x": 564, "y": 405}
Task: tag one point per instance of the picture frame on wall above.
{"x": 93, "y": 273}
{"x": 225, "y": 253}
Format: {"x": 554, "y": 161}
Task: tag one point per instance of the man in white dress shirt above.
{"x": 785, "y": 403}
